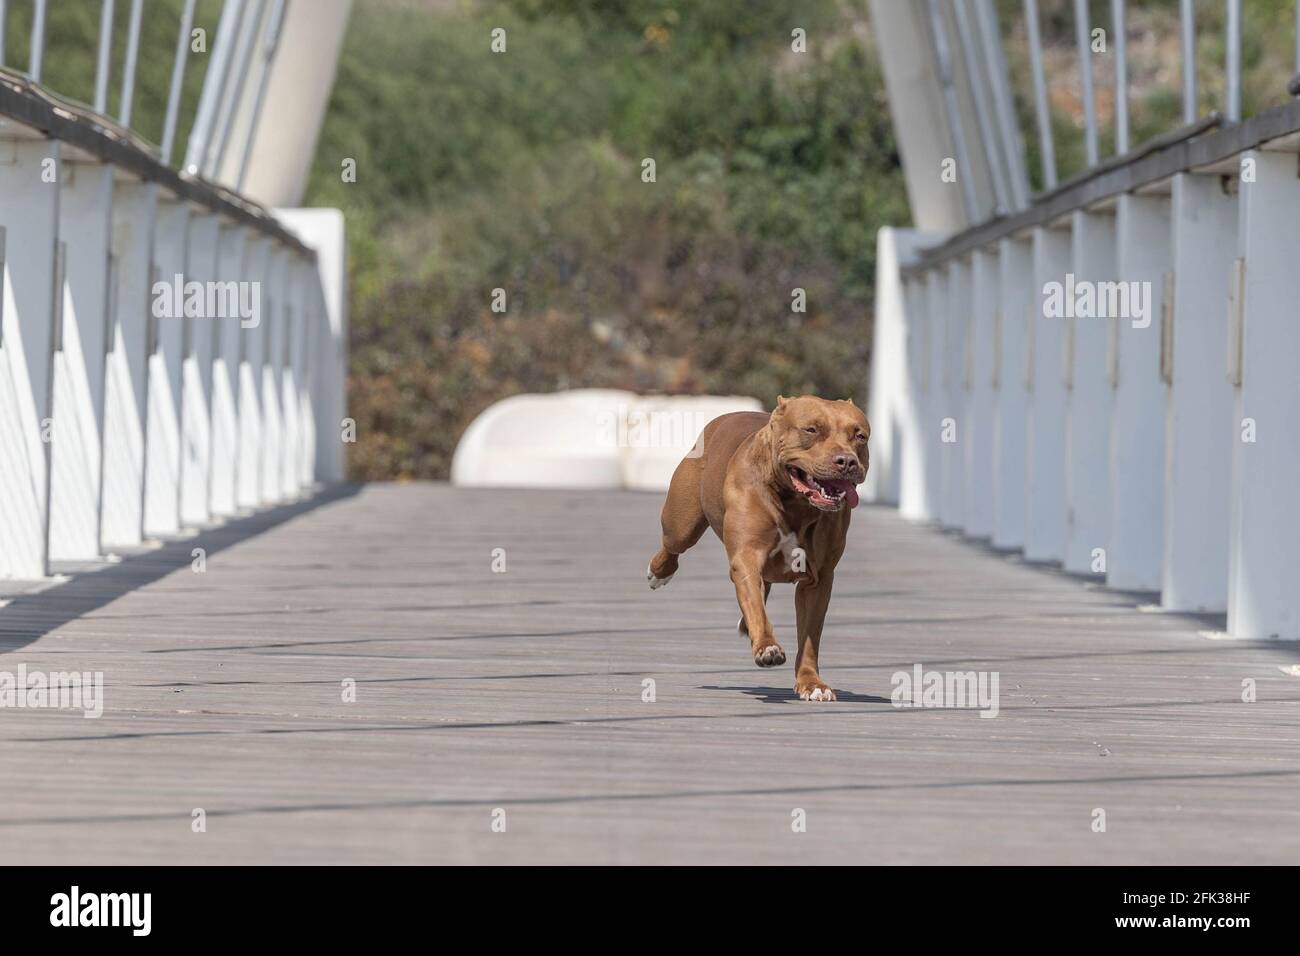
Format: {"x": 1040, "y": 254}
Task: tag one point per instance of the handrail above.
{"x": 1193, "y": 147}
{"x": 34, "y": 106}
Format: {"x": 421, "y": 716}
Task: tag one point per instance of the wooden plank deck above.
{"x": 522, "y": 691}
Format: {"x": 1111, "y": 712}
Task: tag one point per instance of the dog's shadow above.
{"x": 783, "y": 695}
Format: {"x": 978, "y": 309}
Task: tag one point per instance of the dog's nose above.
{"x": 845, "y": 463}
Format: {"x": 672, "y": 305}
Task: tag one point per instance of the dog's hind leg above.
{"x": 682, "y": 519}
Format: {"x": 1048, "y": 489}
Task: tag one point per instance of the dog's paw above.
{"x": 769, "y": 655}
{"x": 655, "y": 583}
{"x": 815, "y": 692}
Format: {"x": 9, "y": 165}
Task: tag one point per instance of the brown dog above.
{"x": 778, "y": 490}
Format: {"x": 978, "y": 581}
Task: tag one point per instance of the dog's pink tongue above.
{"x": 849, "y": 488}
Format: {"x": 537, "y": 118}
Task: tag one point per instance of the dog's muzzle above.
{"x": 828, "y": 494}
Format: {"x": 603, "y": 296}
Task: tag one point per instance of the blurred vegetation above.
{"x": 522, "y": 171}
{"x": 1154, "y": 60}
{"x": 71, "y": 48}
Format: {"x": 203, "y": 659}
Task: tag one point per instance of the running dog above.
{"x": 778, "y": 490}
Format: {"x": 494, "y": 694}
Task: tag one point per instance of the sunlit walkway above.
{"x": 523, "y": 691}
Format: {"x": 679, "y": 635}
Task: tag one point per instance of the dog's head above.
{"x": 821, "y": 449}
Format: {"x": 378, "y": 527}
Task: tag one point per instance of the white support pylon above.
{"x": 1136, "y": 545}
{"x": 913, "y": 451}
{"x": 892, "y": 386}
{"x": 225, "y": 333}
{"x": 122, "y": 520}
{"x": 200, "y": 266}
{"x": 979, "y": 441}
{"x": 252, "y": 347}
{"x": 291, "y": 376}
{"x": 85, "y": 228}
{"x": 1263, "y": 599}
{"x": 1011, "y": 333}
{"x": 935, "y": 407}
{"x": 1199, "y": 430}
{"x": 315, "y": 333}
{"x": 29, "y": 214}
{"x": 323, "y": 231}
{"x": 1045, "y": 446}
{"x": 274, "y": 300}
{"x": 1088, "y": 399}
{"x": 167, "y": 317}
{"x": 954, "y": 417}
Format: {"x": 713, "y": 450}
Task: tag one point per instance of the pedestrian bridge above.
{"x": 1096, "y": 514}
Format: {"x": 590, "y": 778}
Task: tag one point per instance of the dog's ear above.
{"x": 848, "y": 401}
{"x": 778, "y": 413}
{"x": 781, "y": 400}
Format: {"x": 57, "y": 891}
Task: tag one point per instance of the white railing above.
{"x": 1153, "y": 443}
{"x": 170, "y": 354}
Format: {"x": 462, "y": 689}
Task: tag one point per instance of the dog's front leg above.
{"x": 810, "y": 603}
{"x": 747, "y": 575}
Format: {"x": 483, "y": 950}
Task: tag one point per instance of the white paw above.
{"x": 818, "y": 693}
{"x": 655, "y": 583}
{"x": 770, "y": 655}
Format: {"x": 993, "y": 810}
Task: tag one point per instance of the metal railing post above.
{"x": 1041, "y": 109}
{"x": 104, "y": 57}
{"x": 1081, "y": 32}
{"x": 230, "y": 107}
{"x": 128, "y": 68}
{"x": 1012, "y": 147}
{"x": 213, "y": 83}
{"x": 1232, "y": 81}
{"x": 989, "y": 139}
{"x": 270, "y": 46}
{"x": 944, "y": 62}
{"x": 38, "y": 40}
{"x": 178, "y": 80}
{"x": 1121, "y": 76}
{"x": 1187, "y": 23}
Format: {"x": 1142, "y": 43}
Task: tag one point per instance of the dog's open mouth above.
{"x": 827, "y": 494}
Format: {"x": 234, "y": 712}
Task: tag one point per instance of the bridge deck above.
{"x": 523, "y": 691}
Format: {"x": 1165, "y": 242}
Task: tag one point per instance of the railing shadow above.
{"x": 31, "y": 616}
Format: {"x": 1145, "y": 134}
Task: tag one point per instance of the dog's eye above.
{"x": 859, "y": 437}
{"x": 810, "y": 429}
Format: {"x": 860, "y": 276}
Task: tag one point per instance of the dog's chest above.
{"x": 791, "y": 557}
